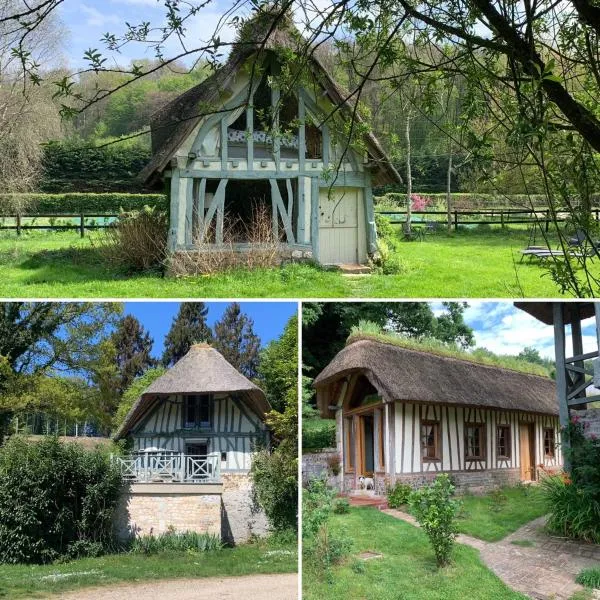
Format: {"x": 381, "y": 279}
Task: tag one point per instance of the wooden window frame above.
{"x": 349, "y": 466}
{"x": 202, "y": 425}
{"x": 508, "y": 455}
{"x": 381, "y": 439}
{"x": 437, "y": 436}
{"x": 482, "y": 441}
{"x": 552, "y": 453}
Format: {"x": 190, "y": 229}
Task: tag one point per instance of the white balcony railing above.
{"x": 169, "y": 467}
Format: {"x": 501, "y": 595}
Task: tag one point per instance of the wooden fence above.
{"x": 502, "y": 217}
{"x": 20, "y": 223}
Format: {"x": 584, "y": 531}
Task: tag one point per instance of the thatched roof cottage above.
{"x": 243, "y": 140}
{"x": 406, "y": 414}
{"x": 193, "y": 433}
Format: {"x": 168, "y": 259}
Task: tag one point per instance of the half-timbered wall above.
{"x": 452, "y": 420}
{"x": 216, "y": 152}
{"x": 235, "y": 430}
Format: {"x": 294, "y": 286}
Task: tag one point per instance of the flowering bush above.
{"x": 419, "y": 203}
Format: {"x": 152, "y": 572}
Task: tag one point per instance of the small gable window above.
{"x": 549, "y": 443}
{"x": 196, "y": 414}
{"x": 474, "y": 441}
{"x": 430, "y": 441}
{"x": 503, "y": 441}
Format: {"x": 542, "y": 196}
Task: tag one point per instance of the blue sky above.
{"x": 504, "y": 329}
{"x": 269, "y": 318}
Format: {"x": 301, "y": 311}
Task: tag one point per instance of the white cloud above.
{"x": 97, "y": 19}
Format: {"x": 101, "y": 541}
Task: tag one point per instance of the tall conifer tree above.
{"x": 188, "y": 327}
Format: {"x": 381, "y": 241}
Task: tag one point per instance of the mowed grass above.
{"x": 466, "y": 264}
{"x": 493, "y": 516}
{"x": 407, "y": 569}
{"x": 24, "y": 581}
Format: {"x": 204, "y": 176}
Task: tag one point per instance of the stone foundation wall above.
{"x": 317, "y": 464}
{"x": 240, "y": 518}
{"x": 156, "y": 508}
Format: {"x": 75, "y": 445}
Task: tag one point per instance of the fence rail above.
{"x": 502, "y": 217}
{"x": 81, "y": 226}
{"x": 169, "y": 467}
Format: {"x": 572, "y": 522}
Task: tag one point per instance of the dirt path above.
{"x": 248, "y": 587}
{"x": 545, "y": 570}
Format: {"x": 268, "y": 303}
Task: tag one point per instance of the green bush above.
{"x": 56, "y": 499}
{"x": 341, "y": 506}
{"x": 398, "y": 494}
{"x": 589, "y": 578}
{"x": 317, "y": 506}
{"x": 77, "y": 203}
{"x": 390, "y": 261}
{"x": 435, "y": 510}
{"x": 318, "y": 434}
{"x": 171, "y": 541}
{"x": 275, "y": 478}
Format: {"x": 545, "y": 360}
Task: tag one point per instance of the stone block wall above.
{"x": 316, "y": 465}
{"x": 240, "y": 518}
{"x": 155, "y": 508}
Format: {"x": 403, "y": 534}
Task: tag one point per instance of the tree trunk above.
{"x": 408, "y": 176}
{"x": 449, "y": 190}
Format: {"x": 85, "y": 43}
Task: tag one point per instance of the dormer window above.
{"x": 196, "y": 412}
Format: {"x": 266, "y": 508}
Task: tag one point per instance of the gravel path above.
{"x": 248, "y": 587}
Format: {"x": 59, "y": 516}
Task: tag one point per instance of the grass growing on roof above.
{"x": 38, "y": 581}
{"x": 468, "y": 264}
{"x": 493, "y": 516}
{"x": 406, "y": 568}
{"x": 370, "y": 331}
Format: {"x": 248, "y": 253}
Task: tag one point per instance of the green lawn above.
{"x": 407, "y": 569}
{"x": 22, "y": 581}
{"x": 493, "y": 516}
{"x": 465, "y": 264}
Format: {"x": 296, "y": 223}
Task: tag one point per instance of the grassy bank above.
{"x": 33, "y": 581}
{"x": 466, "y": 264}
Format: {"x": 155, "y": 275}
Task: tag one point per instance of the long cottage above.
{"x": 193, "y": 433}
{"x": 241, "y": 140}
{"x": 404, "y": 414}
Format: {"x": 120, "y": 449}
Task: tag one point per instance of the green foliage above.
{"x": 398, "y": 494}
{"x": 171, "y": 541}
{"x": 341, "y": 506}
{"x": 390, "y": 260}
{"x": 86, "y": 202}
{"x": 317, "y": 506}
{"x": 235, "y": 339}
{"x": 188, "y": 327}
{"x": 55, "y": 500}
{"x": 133, "y": 392}
{"x": 435, "y": 509}
{"x": 275, "y": 478}
{"x": 318, "y": 433}
{"x": 590, "y": 578}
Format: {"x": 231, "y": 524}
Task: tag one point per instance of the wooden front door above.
{"x": 366, "y": 445}
{"x": 526, "y": 437}
{"x": 338, "y": 226}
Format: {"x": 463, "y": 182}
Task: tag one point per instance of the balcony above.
{"x": 169, "y": 467}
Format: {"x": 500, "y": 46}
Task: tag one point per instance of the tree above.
{"x": 188, "y": 327}
{"x": 133, "y": 346}
{"x": 532, "y": 355}
{"x": 236, "y": 341}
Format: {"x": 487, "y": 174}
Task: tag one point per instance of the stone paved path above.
{"x": 544, "y": 571}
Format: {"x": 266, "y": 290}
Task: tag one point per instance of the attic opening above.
{"x": 363, "y": 394}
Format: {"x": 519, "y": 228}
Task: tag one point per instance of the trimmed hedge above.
{"x": 76, "y": 203}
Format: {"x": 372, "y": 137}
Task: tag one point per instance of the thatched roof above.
{"x": 544, "y": 312}
{"x": 173, "y": 123}
{"x": 202, "y": 370}
{"x": 400, "y": 373}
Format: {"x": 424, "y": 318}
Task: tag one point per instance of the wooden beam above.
{"x": 220, "y": 195}
{"x": 314, "y": 218}
{"x": 301, "y": 228}
{"x": 215, "y": 207}
{"x": 325, "y": 143}
{"x": 370, "y": 217}
{"x": 189, "y": 209}
{"x": 174, "y": 211}
{"x": 279, "y": 207}
{"x": 290, "y": 207}
{"x": 250, "y": 137}
{"x": 275, "y": 96}
{"x": 301, "y": 131}
{"x": 224, "y": 144}
{"x": 199, "y": 231}
{"x": 561, "y": 374}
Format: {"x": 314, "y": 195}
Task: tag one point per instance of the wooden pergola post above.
{"x": 561, "y": 372}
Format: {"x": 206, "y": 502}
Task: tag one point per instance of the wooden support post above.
{"x": 18, "y": 224}
{"x": 220, "y": 196}
{"x": 561, "y": 373}
{"x": 455, "y": 221}
{"x": 174, "y": 211}
{"x": 199, "y": 230}
{"x": 370, "y": 218}
{"x": 224, "y": 144}
{"x": 301, "y": 227}
{"x": 578, "y": 378}
{"x": 279, "y": 209}
{"x": 189, "y": 210}
{"x": 290, "y": 207}
{"x": 81, "y": 224}
{"x": 325, "y": 141}
{"x": 250, "y": 137}
{"x": 275, "y": 96}
{"x": 301, "y": 132}
{"x": 314, "y": 216}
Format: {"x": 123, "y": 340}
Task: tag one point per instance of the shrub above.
{"x": 341, "y": 506}
{"x": 275, "y": 478}
{"x": 589, "y": 577}
{"x": 318, "y": 434}
{"x": 317, "y": 506}
{"x": 389, "y": 261}
{"x": 137, "y": 241}
{"x": 398, "y": 495}
{"x": 329, "y": 548}
{"x": 335, "y": 464}
{"x": 56, "y": 500}
{"x": 171, "y": 541}
{"x": 435, "y": 510}
{"x": 77, "y": 203}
